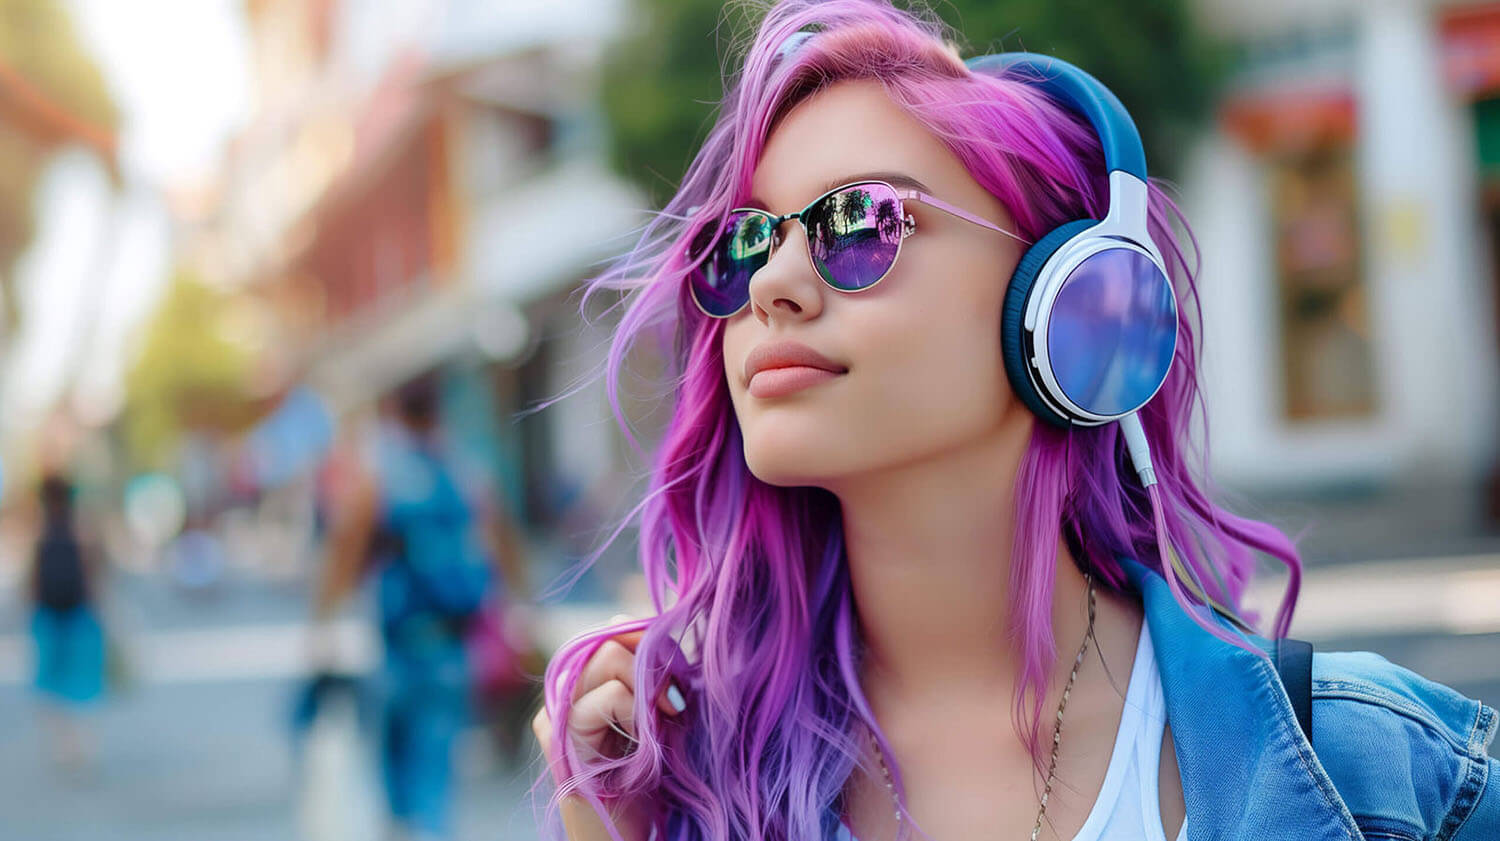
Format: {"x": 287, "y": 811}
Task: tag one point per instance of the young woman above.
{"x": 914, "y": 479}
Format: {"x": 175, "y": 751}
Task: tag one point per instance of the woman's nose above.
{"x": 787, "y": 286}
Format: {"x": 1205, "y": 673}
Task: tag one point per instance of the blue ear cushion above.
{"x": 1013, "y": 315}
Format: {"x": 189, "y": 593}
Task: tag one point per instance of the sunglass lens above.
{"x": 854, "y": 235}
{"x": 736, "y": 250}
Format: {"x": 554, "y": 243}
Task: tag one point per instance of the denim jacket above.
{"x": 1394, "y": 755}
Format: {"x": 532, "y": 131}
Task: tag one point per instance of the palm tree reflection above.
{"x": 888, "y": 220}
{"x": 749, "y": 237}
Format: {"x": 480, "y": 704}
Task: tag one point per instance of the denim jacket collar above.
{"x": 1244, "y": 762}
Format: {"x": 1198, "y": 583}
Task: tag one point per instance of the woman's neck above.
{"x": 929, "y": 553}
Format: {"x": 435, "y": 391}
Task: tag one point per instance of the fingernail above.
{"x": 674, "y": 697}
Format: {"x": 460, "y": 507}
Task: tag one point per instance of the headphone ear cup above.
{"x": 1013, "y": 316}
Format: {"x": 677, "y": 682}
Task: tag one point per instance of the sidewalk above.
{"x": 200, "y": 762}
{"x": 1356, "y": 523}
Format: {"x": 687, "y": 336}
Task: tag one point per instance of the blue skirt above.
{"x": 69, "y": 654}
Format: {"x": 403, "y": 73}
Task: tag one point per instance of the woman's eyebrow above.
{"x": 895, "y": 179}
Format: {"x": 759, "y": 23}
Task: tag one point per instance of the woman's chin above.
{"x": 789, "y": 470}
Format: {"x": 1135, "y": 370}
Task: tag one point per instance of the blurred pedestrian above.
{"x": 63, "y": 583}
{"x": 412, "y": 516}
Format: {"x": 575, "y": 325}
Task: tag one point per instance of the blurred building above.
{"x": 422, "y": 189}
{"x": 1348, "y": 204}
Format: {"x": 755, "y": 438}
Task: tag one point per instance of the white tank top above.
{"x": 1129, "y": 803}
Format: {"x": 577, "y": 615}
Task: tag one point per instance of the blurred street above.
{"x": 295, "y": 362}
{"x": 199, "y": 748}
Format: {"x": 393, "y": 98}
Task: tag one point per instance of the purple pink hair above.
{"x": 749, "y": 578}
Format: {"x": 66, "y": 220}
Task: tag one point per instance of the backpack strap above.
{"x": 1294, "y": 665}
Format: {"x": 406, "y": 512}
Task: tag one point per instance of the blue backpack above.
{"x": 433, "y": 564}
{"x": 60, "y": 581}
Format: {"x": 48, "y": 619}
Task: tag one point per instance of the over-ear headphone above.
{"x": 1089, "y": 326}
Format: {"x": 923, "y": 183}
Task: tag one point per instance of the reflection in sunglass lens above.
{"x": 854, "y": 235}
{"x": 736, "y": 250}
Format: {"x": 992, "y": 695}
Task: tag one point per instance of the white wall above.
{"x": 1428, "y": 283}
{"x": 1434, "y": 338}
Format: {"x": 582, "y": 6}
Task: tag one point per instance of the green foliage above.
{"x": 663, "y": 83}
{"x": 38, "y": 40}
{"x": 186, "y": 371}
{"x": 661, "y": 90}
{"x": 1148, "y": 52}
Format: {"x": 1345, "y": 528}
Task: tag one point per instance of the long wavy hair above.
{"x": 755, "y": 617}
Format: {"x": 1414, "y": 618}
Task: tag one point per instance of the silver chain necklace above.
{"x": 1056, "y": 732}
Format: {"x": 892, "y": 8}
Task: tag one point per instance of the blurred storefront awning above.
{"x": 365, "y": 359}
{"x": 552, "y": 231}
{"x": 1291, "y": 118}
{"x": 38, "y": 116}
{"x": 1471, "y": 49}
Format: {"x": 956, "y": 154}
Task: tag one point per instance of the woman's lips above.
{"x": 775, "y": 382}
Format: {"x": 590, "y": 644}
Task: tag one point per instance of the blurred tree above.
{"x": 188, "y": 373}
{"x": 51, "y": 94}
{"x": 662, "y": 84}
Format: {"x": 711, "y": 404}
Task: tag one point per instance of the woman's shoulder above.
{"x": 1408, "y": 754}
{"x": 1368, "y": 682}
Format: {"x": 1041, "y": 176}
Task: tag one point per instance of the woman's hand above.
{"x": 602, "y": 723}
